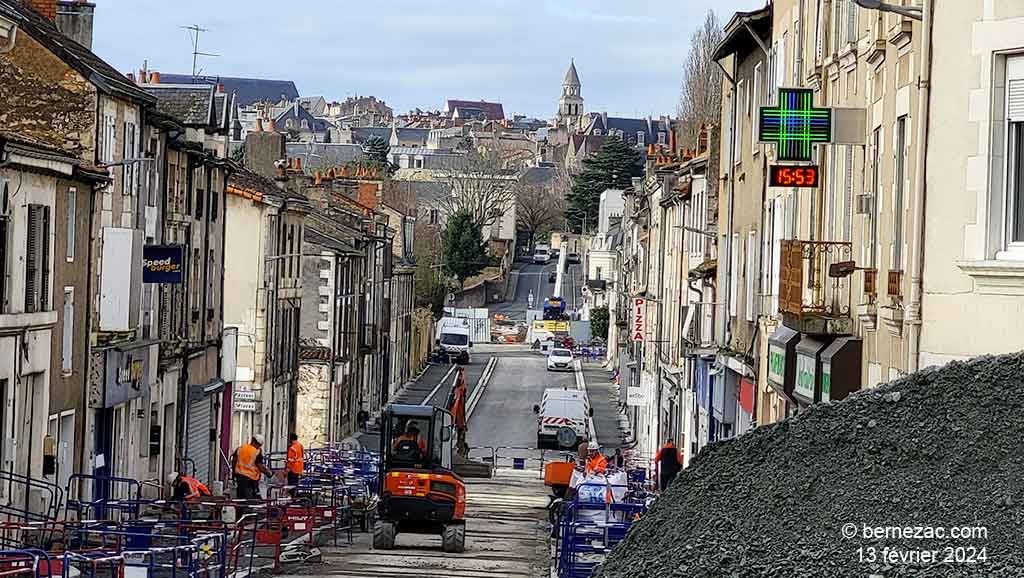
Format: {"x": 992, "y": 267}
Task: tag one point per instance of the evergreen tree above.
{"x": 612, "y": 167}
{"x": 463, "y": 248}
{"x": 377, "y": 150}
{"x": 599, "y": 322}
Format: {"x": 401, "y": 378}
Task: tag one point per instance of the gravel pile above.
{"x": 941, "y": 448}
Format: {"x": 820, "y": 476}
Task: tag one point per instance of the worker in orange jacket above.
{"x": 596, "y": 462}
{"x": 249, "y": 466}
{"x": 186, "y": 487}
{"x": 296, "y": 460}
{"x": 669, "y": 461}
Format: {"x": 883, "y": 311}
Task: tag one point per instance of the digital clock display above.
{"x": 793, "y": 176}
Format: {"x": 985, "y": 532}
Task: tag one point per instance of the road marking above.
{"x": 481, "y": 384}
{"x": 433, "y": 392}
{"x": 581, "y": 385}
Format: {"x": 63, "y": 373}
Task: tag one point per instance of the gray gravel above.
{"x": 940, "y": 448}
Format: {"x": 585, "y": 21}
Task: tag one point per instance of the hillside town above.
{"x": 224, "y": 298}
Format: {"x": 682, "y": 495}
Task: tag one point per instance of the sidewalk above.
{"x": 605, "y": 401}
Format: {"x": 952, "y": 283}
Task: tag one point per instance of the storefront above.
{"x": 782, "y": 361}
{"x": 128, "y": 374}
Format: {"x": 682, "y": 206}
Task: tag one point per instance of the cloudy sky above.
{"x": 417, "y": 53}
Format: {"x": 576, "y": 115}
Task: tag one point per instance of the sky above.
{"x": 418, "y": 53}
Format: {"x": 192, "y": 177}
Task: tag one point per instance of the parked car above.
{"x": 573, "y": 258}
{"x": 552, "y": 276}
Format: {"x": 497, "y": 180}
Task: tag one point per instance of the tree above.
{"x": 430, "y": 285}
{"x": 612, "y": 167}
{"x": 599, "y": 322}
{"x": 540, "y": 202}
{"x": 377, "y": 150}
{"x": 463, "y": 249}
{"x": 482, "y": 186}
{"x": 700, "y": 98}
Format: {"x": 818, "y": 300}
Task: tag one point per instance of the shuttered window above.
{"x": 1015, "y": 152}
{"x": 37, "y": 266}
{"x": 68, "y": 330}
{"x": 71, "y": 202}
{"x": 848, "y": 205}
{"x": 750, "y": 273}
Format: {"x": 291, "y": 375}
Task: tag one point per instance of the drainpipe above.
{"x": 726, "y": 330}
{"x": 913, "y": 313}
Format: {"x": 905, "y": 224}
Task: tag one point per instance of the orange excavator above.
{"x": 420, "y": 491}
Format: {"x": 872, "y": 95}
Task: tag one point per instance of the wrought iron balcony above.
{"x": 814, "y": 281}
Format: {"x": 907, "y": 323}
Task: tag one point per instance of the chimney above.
{"x": 271, "y": 126}
{"x": 259, "y": 125}
{"x": 47, "y": 8}
{"x": 220, "y": 88}
{"x": 143, "y": 77}
{"x": 154, "y": 77}
{"x": 131, "y": 76}
{"x": 263, "y": 150}
{"x": 74, "y": 19}
{"x": 298, "y": 164}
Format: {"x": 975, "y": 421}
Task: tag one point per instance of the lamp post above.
{"x": 914, "y": 12}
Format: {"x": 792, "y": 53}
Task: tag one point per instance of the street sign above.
{"x": 245, "y": 395}
{"x": 795, "y": 125}
{"x": 246, "y": 406}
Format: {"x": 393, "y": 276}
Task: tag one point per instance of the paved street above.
{"x": 534, "y": 277}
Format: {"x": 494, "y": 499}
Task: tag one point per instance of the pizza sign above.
{"x": 638, "y": 318}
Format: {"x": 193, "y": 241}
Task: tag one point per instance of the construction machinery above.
{"x": 420, "y": 492}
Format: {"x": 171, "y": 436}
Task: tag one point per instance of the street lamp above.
{"x": 908, "y": 11}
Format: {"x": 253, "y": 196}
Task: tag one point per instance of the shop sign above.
{"x": 162, "y": 264}
{"x": 551, "y": 326}
{"x": 638, "y": 318}
{"x": 776, "y": 364}
{"x": 131, "y": 374}
{"x": 826, "y": 381}
{"x": 635, "y": 396}
{"x": 804, "y": 377}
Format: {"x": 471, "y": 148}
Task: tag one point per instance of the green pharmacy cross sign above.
{"x": 795, "y": 125}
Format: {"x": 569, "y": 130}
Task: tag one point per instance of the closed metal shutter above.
{"x": 199, "y": 424}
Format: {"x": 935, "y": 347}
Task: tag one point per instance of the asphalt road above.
{"x": 534, "y": 278}
{"x": 504, "y": 416}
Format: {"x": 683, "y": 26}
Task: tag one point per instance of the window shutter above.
{"x": 851, "y": 21}
{"x": 69, "y": 329}
{"x": 32, "y": 260}
{"x": 848, "y": 205}
{"x": 1015, "y": 89}
{"x": 44, "y": 260}
{"x": 819, "y": 34}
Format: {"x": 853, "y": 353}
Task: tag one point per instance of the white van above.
{"x": 453, "y": 338}
{"x": 541, "y": 256}
{"x": 562, "y": 418}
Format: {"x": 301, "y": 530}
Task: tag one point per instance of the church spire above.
{"x": 571, "y": 78}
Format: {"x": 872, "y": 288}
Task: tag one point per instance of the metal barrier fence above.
{"x": 519, "y": 458}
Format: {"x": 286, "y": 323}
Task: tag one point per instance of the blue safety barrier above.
{"x": 589, "y": 530}
{"x": 518, "y": 463}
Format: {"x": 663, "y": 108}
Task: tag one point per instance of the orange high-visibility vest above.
{"x": 245, "y": 465}
{"x": 195, "y": 488}
{"x": 597, "y": 463}
{"x": 296, "y": 458}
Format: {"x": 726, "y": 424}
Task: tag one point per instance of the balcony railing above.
{"x": 895, "y": 289}
{"x": 807, "y": 286}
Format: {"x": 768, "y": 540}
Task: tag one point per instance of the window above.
{"x": 898, "y": 193}
{"x": 200, "y": 196}
{"x": 37, "y": 263}
{"x": 641, "y": 140}
{"x": 780, "y": 65}
{"x": 661, "y": 137}
{"x": 109, "y": 136}
{"x": 851, "y": 22}
{"x": 751, "y": 272}
{"x": 70, "y": 247}
{"x": 597, "y": 274}
{"x": 741, "y": 107}
{"x": 1014, "y": 226}
{"x": 597, "y": 132}
{"x": 755, "y": 104}
{"x": 433, "y": 216}
{"x": 128, "y": 151}
{"x": 68, "y": 330}
{"x": 734, "y": 261}
{"x": 848, "y": 186}
{"x": 871, "y": 234}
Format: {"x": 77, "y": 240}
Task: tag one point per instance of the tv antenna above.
{"x": 194, "y": 31}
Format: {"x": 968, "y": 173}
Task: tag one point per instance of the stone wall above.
{"x": 311, "y": 405}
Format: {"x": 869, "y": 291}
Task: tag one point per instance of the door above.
{"x": 199, "y": 425}
{"x": 65, "y": 448}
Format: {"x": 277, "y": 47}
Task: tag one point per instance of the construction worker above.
{"x": 669, "y": 461}
{"x": 410, "y": 442}
{"x": 458, "y": 411}
{"x": 248, "y": 465}
{"x": 619, "y": 460}
{"x": 596, "y": 463}
{"x": 296, "y": 460}
{"x": 186, "y": 487}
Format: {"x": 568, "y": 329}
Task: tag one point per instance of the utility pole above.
{"x": 194, "y": 31}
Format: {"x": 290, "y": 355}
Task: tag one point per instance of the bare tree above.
{"x": 540, "y": 201}
{"x": 483, "y": 185}
{"x": 700, "y": 98}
